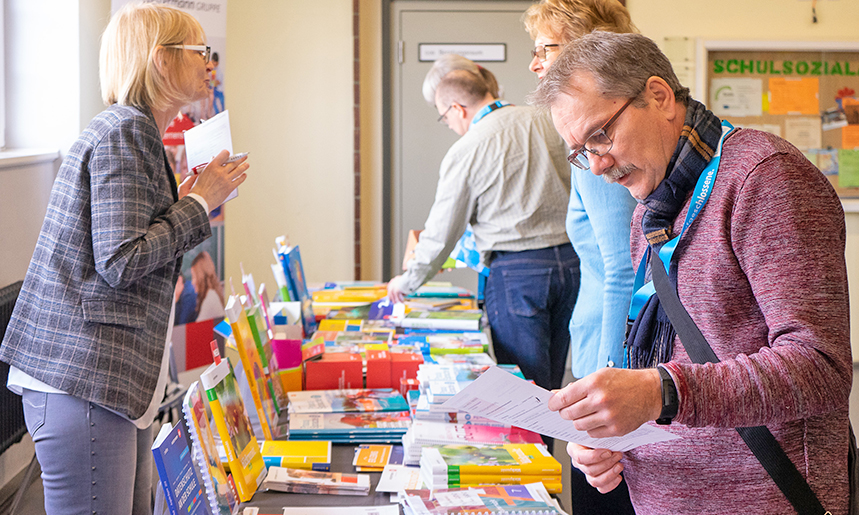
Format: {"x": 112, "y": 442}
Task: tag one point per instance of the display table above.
{"x": 341, "y": 461}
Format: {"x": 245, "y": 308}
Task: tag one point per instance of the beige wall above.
{"x": 290, "y": 98}
{"x": 744, "y": 19}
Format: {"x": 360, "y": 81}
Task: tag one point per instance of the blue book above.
{"x": 182, "y": 486}
{"x": 290, "y": 258}
{"x": 296, "y": 273}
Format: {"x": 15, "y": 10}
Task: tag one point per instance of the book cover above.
{"x": 463, "y": 320}
{"x": 532, "y": 499}
{"x": 438, "y": 433}
{"x": 297, "y": 454}
{"x": 500, "y": 460}
{"x": 371, "y": 457}
{"x": 334, "y": 423}
{"x": 222, "y": 499}
{"x": 259, "y": 331}
{"x": 258, "y": 380}
{"x": 231, "y": 421}
{"x": 182, "y": 488}
{"x": 295, "y": 273}
{"x": 349, "y": 400}
{"x": 313, "y": 482}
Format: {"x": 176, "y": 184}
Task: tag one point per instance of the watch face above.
{"x": 670, "y": 402}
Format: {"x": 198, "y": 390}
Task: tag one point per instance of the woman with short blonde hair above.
{"x": 87, "y": 342}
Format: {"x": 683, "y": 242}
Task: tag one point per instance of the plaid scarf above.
{"x": 651, "y": 338}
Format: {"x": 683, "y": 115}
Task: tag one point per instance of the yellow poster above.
{"x": 850, "y": 137}
{"x": 788, "y": 95}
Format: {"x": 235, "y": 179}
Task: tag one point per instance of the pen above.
{"x": 199, "y": 168}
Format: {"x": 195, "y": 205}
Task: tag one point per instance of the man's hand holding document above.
{"x": 503, "y": 397}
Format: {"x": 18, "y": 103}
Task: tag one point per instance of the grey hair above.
{"x": 620, "y": 65}
{"x": 450, "y": 62}
{"x": 462, "y": 87}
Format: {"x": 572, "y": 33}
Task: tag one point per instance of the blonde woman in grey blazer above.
{"x": 86, "y": 343}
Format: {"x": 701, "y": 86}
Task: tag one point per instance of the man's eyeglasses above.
{"x": 205, "y": 51}
{"x": 444, "y": 114}
{"x": 598, "y": 143}
{"x": 540, "y": 51}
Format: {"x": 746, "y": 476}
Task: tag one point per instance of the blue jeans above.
{"x": 93, "y": 461}
{"x": 529, "y": 299}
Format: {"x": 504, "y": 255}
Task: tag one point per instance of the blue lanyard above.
{"x": 498, "y": 104}
{"x": 699, "y": 198}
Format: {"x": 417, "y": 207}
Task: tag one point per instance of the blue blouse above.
{"x": 598, "y": 224}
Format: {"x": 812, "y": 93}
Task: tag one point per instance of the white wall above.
{"x": 290, "y": 97}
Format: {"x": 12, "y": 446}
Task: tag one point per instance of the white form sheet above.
{"x": 503, "y": 397}
{"x": 207, "y": 140}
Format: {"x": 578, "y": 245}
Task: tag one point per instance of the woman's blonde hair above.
{"x": 130, "y": 45}
{"x": 567, "y": 20}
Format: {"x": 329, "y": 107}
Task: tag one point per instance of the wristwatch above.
{"x": 670, "y": 402}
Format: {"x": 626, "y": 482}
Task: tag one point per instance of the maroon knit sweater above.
{"x": 762, "y": 273}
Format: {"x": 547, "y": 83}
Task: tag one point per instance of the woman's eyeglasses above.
{"x": 540, "y": 51}
{"x": 205, "y": 51}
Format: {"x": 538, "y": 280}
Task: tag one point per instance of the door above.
{"x": 418, "y": 142}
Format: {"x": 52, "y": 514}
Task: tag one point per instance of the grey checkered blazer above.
{"x": 91, "y": 318}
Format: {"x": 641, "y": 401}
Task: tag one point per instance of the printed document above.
{"x": 207, "y": 140}
{"x": 503, "y": 397}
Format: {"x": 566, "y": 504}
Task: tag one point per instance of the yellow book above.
{"x": 511, "y": 459}
{"x": 234, "y": 428}
{"x": 371, "y": 458}
{"x": 252, "y": 365}
{"x": 346, "y": 297}
{"x": 297, "y": 454}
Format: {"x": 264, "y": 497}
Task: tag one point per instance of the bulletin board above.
{"x": 805, "y": 92}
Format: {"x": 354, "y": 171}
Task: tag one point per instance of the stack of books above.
{"x": 297, "y": 454}
{"x": 439, "y": 383}
{"x": 349, "y": 416}
{"x": 423, "y": 433}
{"x": 460, "y": 320}
{"x": 376, "y": 427}
{"x": 466, "y": 342}
{"x": 303, "y": 481}
{"x": 455, "y": 466}
{"x": 530, "y": 499}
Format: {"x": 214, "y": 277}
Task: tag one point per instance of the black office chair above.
{"x": 12, "y": 427}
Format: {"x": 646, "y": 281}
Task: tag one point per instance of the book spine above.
{"x": 200, "y": 459}
{"x": 436, "y": 323}
{"x": 482, "y": 470}
{"x": 172, "y": 502}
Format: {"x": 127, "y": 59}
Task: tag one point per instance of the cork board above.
{"x": 808, "y": 96}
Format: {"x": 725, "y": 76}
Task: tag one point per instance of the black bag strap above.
{"x": 759, "y": 439}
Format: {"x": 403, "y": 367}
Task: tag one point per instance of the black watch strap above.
{"x": 670, "y": 402}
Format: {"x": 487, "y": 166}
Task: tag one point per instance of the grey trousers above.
{"x": 93, "y": 461}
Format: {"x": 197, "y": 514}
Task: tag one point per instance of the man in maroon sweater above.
{"x": 760, "y": 268}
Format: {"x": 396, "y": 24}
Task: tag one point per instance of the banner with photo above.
{"x": 200, "y": 289}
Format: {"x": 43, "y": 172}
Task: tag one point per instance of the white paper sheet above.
{"x": 399, "y": 477}
{"x": 207, "y": 140}
{"x": 503, "y": 397}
